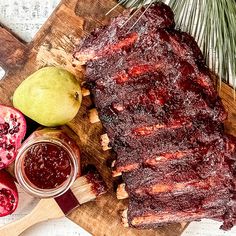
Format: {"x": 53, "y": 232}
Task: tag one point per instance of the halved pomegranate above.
{"x": 8, "y": 194}
{"x": 12, "y": 131}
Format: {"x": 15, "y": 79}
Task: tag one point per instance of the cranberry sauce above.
{"x": 47, "y": 165}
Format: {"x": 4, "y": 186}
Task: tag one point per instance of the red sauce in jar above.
{"x": 47, "y": 165}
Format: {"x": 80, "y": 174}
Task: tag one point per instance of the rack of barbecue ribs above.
{"x": 163, "y": 119}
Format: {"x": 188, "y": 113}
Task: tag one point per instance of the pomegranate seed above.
{"x": 9, "y": 157}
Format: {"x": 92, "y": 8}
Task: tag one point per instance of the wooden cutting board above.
{"x": 53, "y": 45}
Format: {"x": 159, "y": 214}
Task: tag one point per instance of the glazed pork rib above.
{"x": 142, "y": 216}
{"x": 143, "y": 183}
{"x": 168, "y": 146}
{"x": 204, "y": 173}
{"x": 164, "y": 120}
{"x": 112, "y": 38}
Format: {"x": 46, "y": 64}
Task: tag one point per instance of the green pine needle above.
{"x": 213, "y": 25}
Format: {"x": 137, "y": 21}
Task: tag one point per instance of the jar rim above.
{"x": 30, "y": 187}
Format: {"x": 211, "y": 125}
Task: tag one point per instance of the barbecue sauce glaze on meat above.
{"x": 159, "y": 106}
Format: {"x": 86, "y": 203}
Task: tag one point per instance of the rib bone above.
{"x": 105, "y": 142}
{"x": 85, "y": 92}
{"x": 121, "y": 192}
{"x": 93, "y": 116}
{"x": 124, "y": 218}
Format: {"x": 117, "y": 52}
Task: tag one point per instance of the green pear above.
{"x": 51, "y": 96}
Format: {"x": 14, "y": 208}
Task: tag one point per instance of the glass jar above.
{"x": 47, "y": 163}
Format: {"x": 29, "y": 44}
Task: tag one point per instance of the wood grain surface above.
{"x": 53, "y": 45}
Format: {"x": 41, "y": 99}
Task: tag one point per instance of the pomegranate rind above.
{"x": 8, "y": 185}
{"x": 12, "y": 132}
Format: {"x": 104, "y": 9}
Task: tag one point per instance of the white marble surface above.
{"x": 25, "y": 17}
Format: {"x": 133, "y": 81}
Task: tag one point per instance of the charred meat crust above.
{"x": 158, "y": 104}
